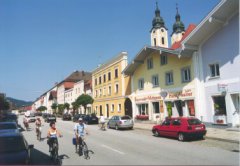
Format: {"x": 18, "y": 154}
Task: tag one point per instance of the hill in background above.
{"x": 19, "y": 103}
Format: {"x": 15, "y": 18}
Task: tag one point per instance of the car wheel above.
{"x": 116, "y": 127}
{"x": 130, "y": 128}
{"x": 181, "y": 137}
{"x": 156, "y": 133}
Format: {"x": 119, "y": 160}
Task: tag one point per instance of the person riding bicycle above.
{"x": 38, "y": 124}
{"x": 80, "y": 129}
{"x": 102, "y": 121}
{"x": 52, "y": 134}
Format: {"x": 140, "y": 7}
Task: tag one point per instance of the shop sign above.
{"x": 148, "y": 98}
{"x": 181, "y": 94}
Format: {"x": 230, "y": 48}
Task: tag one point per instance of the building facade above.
{"x": 216, "y": 50}
{"x": 110, "y": 87}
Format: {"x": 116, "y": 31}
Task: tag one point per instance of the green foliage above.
{"x": 67, "y": 106}
{"x": 169, "y": 108}
{"x": 84, "y": 100}
{"x": 41, "y": 108}
{"x": 61, "y": 108}
{"x": 4, "y": 104}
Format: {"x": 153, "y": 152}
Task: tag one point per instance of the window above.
{"x": 116, "y": 88}
{"x": 155, "y": 42}
{"x": 169, "y": 78}
{"x": 109, "y": 90}
{"x": 112, "y": 108}
{"x": 104, "y": 89}
{"x": 104, "y": 78}
{"x": 156, "y": 107}
{"x": 109, "y": 76}
{"x": 141, "y": 83}
{"x": 186, "y": 75}
{"x": 162, "y": 40}
{"x": 96, "y": 93}
{"x": 176, "y": 122}
{"x": 100, "y": 80}
{"x": 119, "y": 108}
{"x": 155, "y": 81}
{"x": 100, "y": 92}
{"x": 116, "y": 73}
{"x": 162, "y": 30}
{"x": 163, "y": 59}
{"x": 166, "y": 122}
{"x": 214, "y": 69}
{"x": 95, "y": 81}
{"x": 149, "y": 63}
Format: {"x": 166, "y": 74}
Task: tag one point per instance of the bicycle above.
{"x": 102, "y": 126}
{"x": 83, "y": 149}
{"x": 39, "y": 132}
{"x": 54, "y": 151}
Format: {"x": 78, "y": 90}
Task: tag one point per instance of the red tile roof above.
{"x": 177, "y": 45}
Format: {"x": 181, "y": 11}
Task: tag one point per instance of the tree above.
{"x": 4, "y": 104}
{"x": 41, "y": 108}
{"x": 75, "y": 107}
{"x": 54, "y": 107}
{"x": 84, "y": 100}
{"x": 60, "y": 109}
{"x": 67, "y": 106}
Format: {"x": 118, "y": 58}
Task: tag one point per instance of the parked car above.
{"x": 38, "y": 113}
{"x": 90, "y": 119}
{"x": 31, "y": 118}
{"x": 77, "y": 116}
{"x": 118, "y": 122}
{"x": 50, "y": 118}
{"x": 14, "y": 149}
{"x": 66, "y": 117}
{"x": 8, "y": 127}
{"x": 181, "y": 128}
{"x": 9, "y": 117}
{"x": 44, "y": 115}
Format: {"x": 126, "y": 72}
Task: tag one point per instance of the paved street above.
{"x": 131, "y": 147}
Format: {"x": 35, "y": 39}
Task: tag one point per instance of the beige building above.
{"x": 110, "y": 88}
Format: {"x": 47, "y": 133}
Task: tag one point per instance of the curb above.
{"x": 207, "y": 137}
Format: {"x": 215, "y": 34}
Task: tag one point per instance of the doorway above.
{"x": 128, "y": 107}
{"x": 178, "y": 104}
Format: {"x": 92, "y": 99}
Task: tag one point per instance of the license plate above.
{"x": 198, "y": 128}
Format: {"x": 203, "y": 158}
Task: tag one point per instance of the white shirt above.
{"x": 102, "y": 119}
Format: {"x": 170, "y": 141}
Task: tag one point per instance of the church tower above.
{"x": 159, "y": 33}
{"x": 178, "y": 29}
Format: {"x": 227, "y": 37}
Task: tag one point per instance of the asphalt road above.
{"x": 129, "y": 147}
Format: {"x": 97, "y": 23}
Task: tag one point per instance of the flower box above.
{"x": 142, "y": 117}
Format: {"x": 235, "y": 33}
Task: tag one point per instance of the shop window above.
{"x": 143, "y": 109}
{"x": 163, "y": 59}
{"x": 186, "y": 75}
{"x": 219, "y": 105}
{"x": 155, "y": 81}
{"x": 191, "y": 107}
{"x": 156, "y": 107}
{"x": 214, "y": 70}
{"x": 150, "y": 63}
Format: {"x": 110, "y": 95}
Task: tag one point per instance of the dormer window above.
{"x": 155, "y": 42}
{"x": 162, "y": 30}
{"x": 162, "y": 40}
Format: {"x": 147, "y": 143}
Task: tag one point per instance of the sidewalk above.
{"x": 228, "y": 135}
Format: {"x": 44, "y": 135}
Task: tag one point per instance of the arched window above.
{"x": 162, "y": 40}
{"x": 155, "y": 42}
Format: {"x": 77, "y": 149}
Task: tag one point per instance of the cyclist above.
{"x": 80, "y": 129}
{"x": 102, "y": 122}
{"x": 52, "y": 134}
{"x": 38, "y": 124}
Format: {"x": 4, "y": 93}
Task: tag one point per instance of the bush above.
{"x": 142, "y": 117}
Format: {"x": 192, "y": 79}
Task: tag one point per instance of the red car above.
{"x": 181, "y": 128}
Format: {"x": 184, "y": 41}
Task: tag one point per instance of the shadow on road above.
{"x": 40, "y": 158}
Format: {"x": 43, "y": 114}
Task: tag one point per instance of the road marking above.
{"x": 105, "y": 146}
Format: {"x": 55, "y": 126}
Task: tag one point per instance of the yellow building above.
{"x": 162, "y": 80}
{"x": 110, "y": 88}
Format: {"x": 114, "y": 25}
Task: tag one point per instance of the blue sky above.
{"x": 43, "y": 41}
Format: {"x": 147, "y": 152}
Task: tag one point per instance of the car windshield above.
{"x": 194, "y": 122}
{"x": 7, "y": 126}
{"x": 11, "y": 144}
{"x": 125, "y": 118}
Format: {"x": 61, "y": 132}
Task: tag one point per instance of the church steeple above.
{"x": 178, "y": 28}
{"x": 159, "y": 34}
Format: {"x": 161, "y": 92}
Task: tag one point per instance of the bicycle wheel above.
{"x": 85, "y": 151}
